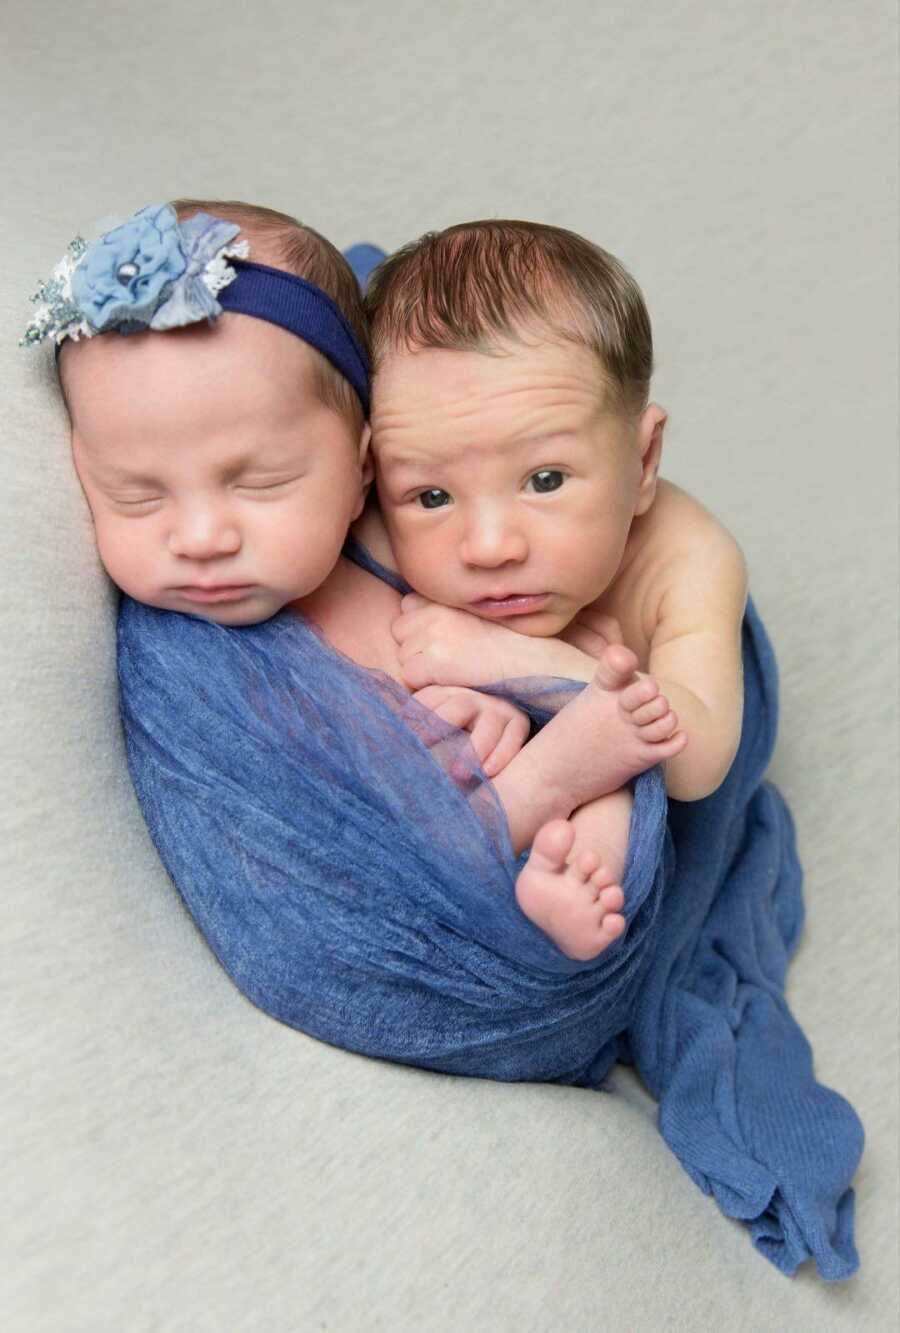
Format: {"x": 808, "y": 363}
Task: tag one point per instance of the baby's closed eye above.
{"x": 265, "y": 485}
{"x": 137, "y": 503}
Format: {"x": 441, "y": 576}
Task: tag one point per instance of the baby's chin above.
{"x": 236, "y": 617}
{"x": 236, "y": 620}
{"x": 537, "y": 625}
{"x": 231, "y": 615}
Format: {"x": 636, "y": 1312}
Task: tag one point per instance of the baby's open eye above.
{"x": 433, "y": 499}
{"x": 548, "y": 479}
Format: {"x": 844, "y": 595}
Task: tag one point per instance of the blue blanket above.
{"x": 350, "y": 865}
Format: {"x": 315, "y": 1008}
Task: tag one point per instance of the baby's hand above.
{"x": 497, "y": 729}
{"x": 439, "y": 645}
{"x": 592, "y": 632}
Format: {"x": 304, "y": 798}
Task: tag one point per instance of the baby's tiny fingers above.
{"x": 515, "y": 734}
{"x": 403, "y": 627}
{"x": 458, "y": 711}
{"x": 486, "y": 734}
{"x": 432, "y": 696}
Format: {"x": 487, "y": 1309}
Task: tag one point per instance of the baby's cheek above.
{"x": 113, "y": 552}
{"x": 127, "y": 558}
{"x": 421, "y": 559}
{"x": 310, "y": 550}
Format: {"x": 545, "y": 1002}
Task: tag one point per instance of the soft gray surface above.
{"x": 178, "y": 1160}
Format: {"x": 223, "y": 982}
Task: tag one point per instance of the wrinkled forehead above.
{"x": 509, "y": 385}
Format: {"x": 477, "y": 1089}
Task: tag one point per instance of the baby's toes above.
{"x": 609, "y": 894}
{"x": 611, "y": 898}
{"x": 660, "y": 730}
{"x": 613, "y": 925}
{"x": 585, "y": 865}
{"x": 650, "y": 712}
{"x": 640, "y": 693}
{"x": 551, "y": 847}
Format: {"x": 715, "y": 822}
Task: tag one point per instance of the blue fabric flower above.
{"x": 204, "y": 241}
{"x": 125, "y": 275}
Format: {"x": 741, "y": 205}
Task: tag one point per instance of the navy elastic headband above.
{"x": 154, "y": 272}
{"x": 303, "y": 309}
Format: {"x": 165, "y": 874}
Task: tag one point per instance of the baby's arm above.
{"x": 695, "y": 657}
{"x": 439, "y": 645}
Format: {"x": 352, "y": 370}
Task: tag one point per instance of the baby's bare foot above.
{"x": 648, "y": 710}
{"x": 577, "y": 905}
{"x": 618, "y": 726}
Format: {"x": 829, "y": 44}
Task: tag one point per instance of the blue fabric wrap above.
{"x": 345, "y": 858}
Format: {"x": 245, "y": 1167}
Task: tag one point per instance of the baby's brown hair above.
{"x": 473, "y": 284}
{"x": 281, "y": 241}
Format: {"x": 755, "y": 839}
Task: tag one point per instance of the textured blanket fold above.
{"x": 345, "y": 858}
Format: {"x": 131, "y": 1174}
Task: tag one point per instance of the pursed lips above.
{"x": 510, "y": 603}
{"x": 213, "y": 592}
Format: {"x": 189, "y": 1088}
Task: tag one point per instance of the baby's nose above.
{"x": 493, "y": 539}
{"x": 203, "y": 534}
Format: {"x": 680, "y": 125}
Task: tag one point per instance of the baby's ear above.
{"x": 651, "y": 424}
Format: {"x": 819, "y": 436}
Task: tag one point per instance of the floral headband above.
{"x": 154, "y": 272}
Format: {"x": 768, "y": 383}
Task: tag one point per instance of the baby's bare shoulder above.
{"x": 697, "y": 574}
{"x": 679, "y": 522}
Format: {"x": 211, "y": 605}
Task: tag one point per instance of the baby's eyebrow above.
{"x": 115, "y": 474}
{"x": 259, "y": 459}
{"x": 408, "y": 460}
{"x": 274, "y": 459}
{"x": 429, "y": 458}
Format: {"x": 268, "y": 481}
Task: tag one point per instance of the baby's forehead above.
{"x": 458, "y": 421}
{"x": 237, "y": 357}
{"x": 152, "y": 402}
{"x": 506, "y": 375}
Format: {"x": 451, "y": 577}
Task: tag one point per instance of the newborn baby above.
{"x": 517, "y": 457}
